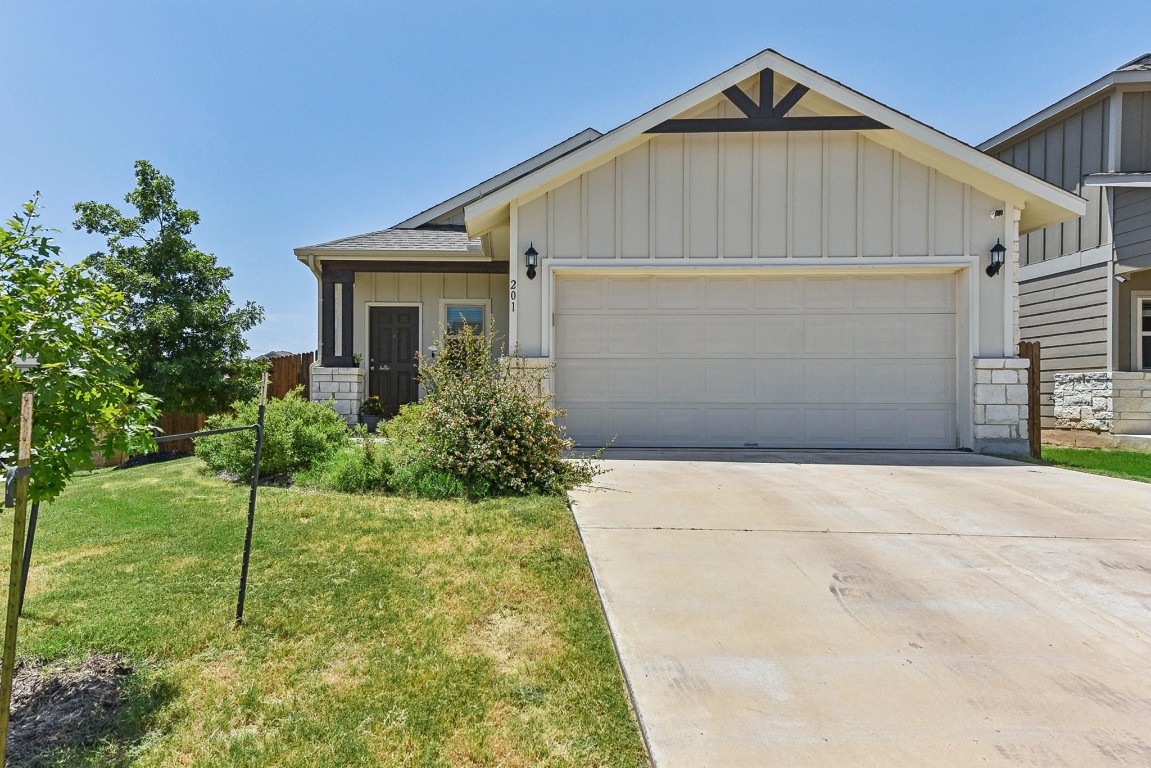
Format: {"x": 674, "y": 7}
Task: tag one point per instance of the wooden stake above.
{"x": 19, "y": 523}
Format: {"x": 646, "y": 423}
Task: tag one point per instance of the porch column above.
{"x": 336, "y": 302}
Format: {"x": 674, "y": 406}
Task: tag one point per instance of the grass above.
{"x": 1130, "y": 465}
{"x": 379, "y": 631}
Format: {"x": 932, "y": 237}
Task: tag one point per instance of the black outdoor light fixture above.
{"x": 531, "y": 260}
{"x": 997, "y": 252}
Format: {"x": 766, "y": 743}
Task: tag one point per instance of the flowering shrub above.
{"x": 490, "y": 427}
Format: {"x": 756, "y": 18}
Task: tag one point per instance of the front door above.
{"x": 393, "y": 340}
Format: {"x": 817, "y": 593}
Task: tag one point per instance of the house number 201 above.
{"x": 512, "y": 295}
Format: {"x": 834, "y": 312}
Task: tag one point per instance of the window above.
{"x": 459, "y": 316}
{"x": 1143, "y": 332}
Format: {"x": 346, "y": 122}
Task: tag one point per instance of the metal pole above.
{"x": 252, "y": 500}
{"x": 28, "y": 552}
{"x": 23, "y": 464}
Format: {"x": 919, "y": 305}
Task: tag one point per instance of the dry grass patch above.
{"x": 379, "y": 631}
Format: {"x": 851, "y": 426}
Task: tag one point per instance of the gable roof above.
{"x": 424, "y": 233}
{"x": 430, "y": 238}
{"x": 457, "y": 202}
{"x": 1042, "y": 203}
{"x": 1133, "y": 72}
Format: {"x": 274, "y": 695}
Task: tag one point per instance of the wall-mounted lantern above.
{"x": 531, "y": 260}
{"x": 997, "y": 253}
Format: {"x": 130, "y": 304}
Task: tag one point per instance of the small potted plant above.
{"x": 371, "y": 412}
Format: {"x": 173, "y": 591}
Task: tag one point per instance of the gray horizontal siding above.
{"x": 1062, "y": 154}
{"x": 1067, "y": 314}
{"x": 1132, "y": 223}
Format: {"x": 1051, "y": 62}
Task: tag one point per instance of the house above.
{"x": 769, "y": 259}
{"x": 1085, "y": 283}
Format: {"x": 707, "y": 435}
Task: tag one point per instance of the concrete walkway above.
{"x": 876, "y": 608}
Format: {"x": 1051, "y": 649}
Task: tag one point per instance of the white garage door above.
{"x": 789, "y": 361}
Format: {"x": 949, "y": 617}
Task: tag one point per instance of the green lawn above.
{"x": 1126, "y": 464}
{"x": 379, "y": 631}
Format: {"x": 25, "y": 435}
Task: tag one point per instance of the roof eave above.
{"x": 1085, "y": 95}
{"x": 1043, "y": 203}
{"x": 377, "y": 254}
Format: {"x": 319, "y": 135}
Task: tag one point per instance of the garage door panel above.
{"x": 834, "y": 293}
{"x": 580, "y": 294}
{"x": 836, "y": 361}
{"x": 730, "y": 381}
{"x": 678, "y": 293}
{"x": 578, "y": 380}
{"x": 633, "y": 338}
{"x": 727, "y": 425}
{"x": 780, "y": 294}
{"x": 678, "y": 382}
{"x": 930, "y": 382}
{"x": 779, "y": 381}
{"x": 681, "y": 424}
{"x": 930, "y": 335}
{"x": 629, "y": 379}
{"x": 778, "y": 426}
{"x": 777, "y": 335}
{"x": 829, "y": 426}
{"x": 627, "y": 293}
{"x": 728, "y": 293}
{"x": 585, "y": 337}
{"x": 828, "y": 382}
{"x": 828, "y": 336}
{"x": 930, "y": 292}
{"x": 726, "y": 334}
{"x": 929, "y": 426}
{"x": 679, "y": 336}
{"x": 880, "y": 335}
{"x": 880, "y": 292}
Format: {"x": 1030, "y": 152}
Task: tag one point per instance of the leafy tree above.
{"x": 184, "y": 335}
{"x": 64, "y": 318}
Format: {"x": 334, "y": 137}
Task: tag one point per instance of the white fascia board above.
{"x": 1048, "y": 204}
{"x": 1083, "y": 96}
{"x": 585, "y": 136}
{"x": 1117, "y": 180}
{"x": 363, "y": 254}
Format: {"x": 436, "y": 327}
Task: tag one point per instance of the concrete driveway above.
{"x": 876, "y": 608}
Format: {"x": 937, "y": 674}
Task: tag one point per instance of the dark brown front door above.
{"x": 393, "y": 339}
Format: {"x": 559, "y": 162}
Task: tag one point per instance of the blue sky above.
{"x": 289, "y": 123}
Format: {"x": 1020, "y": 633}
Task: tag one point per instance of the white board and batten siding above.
{"x": 749, "y": 215}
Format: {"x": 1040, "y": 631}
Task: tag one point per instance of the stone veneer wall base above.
{"x": 342, "y": 388}
{"x": 1000, "y": 405}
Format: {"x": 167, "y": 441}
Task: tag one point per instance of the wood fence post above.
{"x": 1030, "y": 351}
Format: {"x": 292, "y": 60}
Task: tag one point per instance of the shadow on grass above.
{"x": 91, "y": 712}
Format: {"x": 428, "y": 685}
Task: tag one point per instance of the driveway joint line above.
{"x": 945, "y": 534}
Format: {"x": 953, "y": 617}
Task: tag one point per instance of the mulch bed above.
{"x": 63, "y": 706}
{"x": 153, "y": 458}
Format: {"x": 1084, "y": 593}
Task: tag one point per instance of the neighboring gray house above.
{"x": 769, "y": 259}
{"x": 1085, "y": 284}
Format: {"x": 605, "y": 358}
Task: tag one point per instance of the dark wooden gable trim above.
{"x": 767, "y": 116}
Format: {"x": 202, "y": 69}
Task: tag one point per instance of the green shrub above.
{"x": 413, "y": 473}
{"x": 361, "y": 467}
{"x": 298, "y": 435}
{"x": 486, "y": 424}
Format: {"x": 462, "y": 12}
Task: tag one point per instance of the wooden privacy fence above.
{"x": 285, "y": 373}
{"x": 289, "y": 371}
{"x": 1029, "y": 350}
{"x": 174, "y": 423}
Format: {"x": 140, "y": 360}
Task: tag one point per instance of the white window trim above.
{"x": 445, "y": 303}
{"x": 1137, "y": 333}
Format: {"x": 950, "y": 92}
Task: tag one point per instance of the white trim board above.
{"x": 1068, "y": 263}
